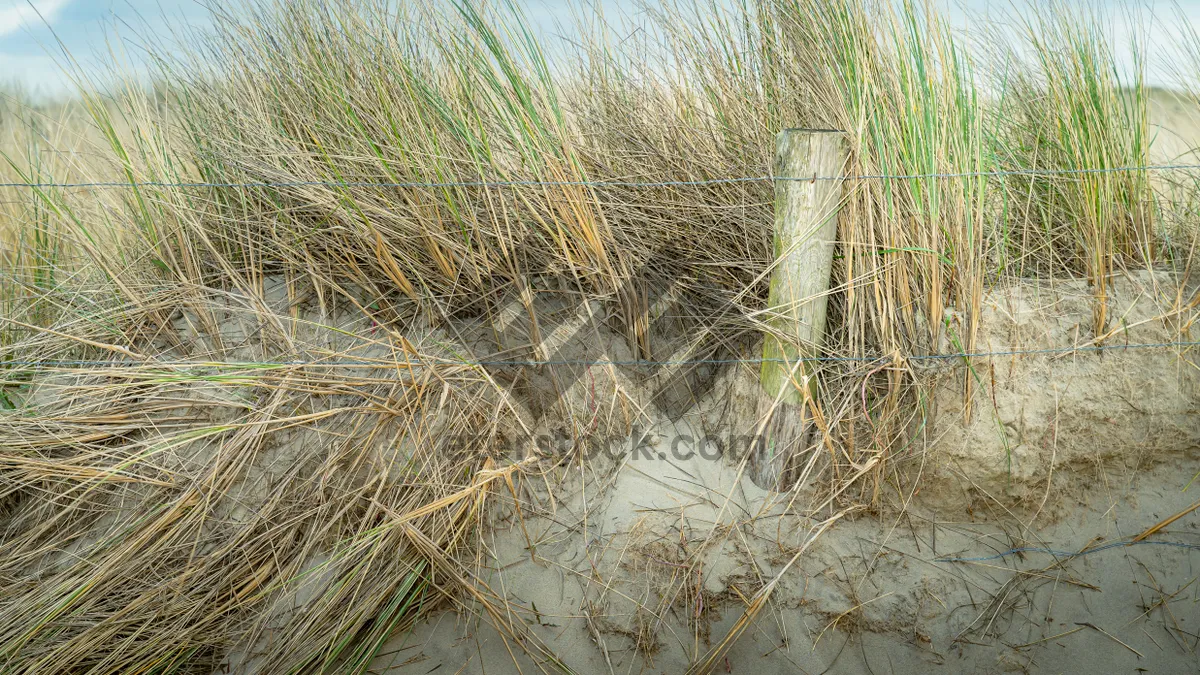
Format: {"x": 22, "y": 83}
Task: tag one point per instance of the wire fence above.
{"x": 1033, "y": 173}
{"x": 324, "y": 363}
{"x": 328, "y": 363}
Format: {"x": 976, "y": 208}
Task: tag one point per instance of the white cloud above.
{"x": 18, "y": 14}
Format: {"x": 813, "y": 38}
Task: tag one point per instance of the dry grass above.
{"x": 156, "y": 517}
{"x": 159, "y": 517}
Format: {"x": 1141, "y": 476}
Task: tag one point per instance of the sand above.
{"x": 644, "y": 557}
{"x": 641, "y": 551}
{"x": 873, "y": 595}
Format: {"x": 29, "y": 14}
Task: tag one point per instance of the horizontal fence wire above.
{"x": 603, "y": 183}
{"x": 533, "y": 183}
{"x": 582, "y": 362}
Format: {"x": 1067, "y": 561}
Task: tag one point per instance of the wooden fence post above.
{"x": 805, "y": 232}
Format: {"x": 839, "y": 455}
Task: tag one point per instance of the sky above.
{"x": 30, "y": 30}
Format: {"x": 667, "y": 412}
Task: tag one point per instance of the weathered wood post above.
{"x": 805, "y": 232}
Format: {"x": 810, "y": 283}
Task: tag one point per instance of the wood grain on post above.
{"x": 805, "y": 233}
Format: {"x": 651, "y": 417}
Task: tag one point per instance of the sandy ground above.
{"x": 879, "y": 595}
{"x": 644, "y": 558}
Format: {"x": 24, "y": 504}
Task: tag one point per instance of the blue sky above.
{"x": 28, "y": 30}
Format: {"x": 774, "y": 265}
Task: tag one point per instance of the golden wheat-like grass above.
{"x": 166, "y": 518}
